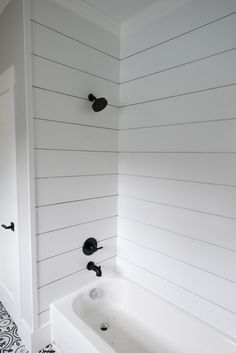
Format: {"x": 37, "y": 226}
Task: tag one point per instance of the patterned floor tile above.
{"x": 10, "y": 341}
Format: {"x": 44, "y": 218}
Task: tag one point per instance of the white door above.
{"x": 9, "y": 242}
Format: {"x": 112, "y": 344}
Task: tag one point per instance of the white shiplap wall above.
{"x": 75, "y": 148}
{"x": 177, "y": 166}
{"x": 177, "y": 155}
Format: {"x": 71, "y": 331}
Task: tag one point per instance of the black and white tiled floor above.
{"x": 10, "y": 341}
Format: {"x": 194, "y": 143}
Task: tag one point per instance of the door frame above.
{"x": 7, "y": 85}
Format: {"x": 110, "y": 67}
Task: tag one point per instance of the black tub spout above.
{"x": 97, "y": 269}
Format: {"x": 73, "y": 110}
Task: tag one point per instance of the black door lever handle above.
{"x": 11, "y": 227}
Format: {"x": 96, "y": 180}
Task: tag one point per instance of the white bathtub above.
{"x": 137, "y": 322}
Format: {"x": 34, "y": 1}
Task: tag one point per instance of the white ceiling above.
{"x": 120, "y": 10}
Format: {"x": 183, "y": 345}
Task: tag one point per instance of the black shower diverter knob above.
{"x": 91, "y": 246}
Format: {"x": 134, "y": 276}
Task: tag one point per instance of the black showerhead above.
{"x": 98, "y": 103}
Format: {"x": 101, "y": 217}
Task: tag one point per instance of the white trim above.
{"x": 25, "y": 333}
{"x": 41, "y": 337}
{"x": 92, "y": 14}
{"x": 134, "y": 23}
{"x": 34, "y": 340}
{"x": 3, "y": 4}
{"x": 7, "y": 80}
{"x": 30, "y": 161}
{"x": 150, "y": 14}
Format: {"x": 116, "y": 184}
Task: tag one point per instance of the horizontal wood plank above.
{"x": 50, "y": 134}
{"x": 70, "y": 163}
{"x": 208, "y": 40}
{"x": 213, "y": 199}
{"x": 55, "y": 46}
{"x": 56, "y": 190}
{"x": 201, "y": 75}
{"x": 72, "y": 213}
{"x": 59, "y": 107}
{"x": 198, "y": 107}
{"x": 214, "y": 289}
{"x": 207, "y": 168}
{"x": 69, "y": 23}
{"x": 217, "y": 136}
{"x": 59, "y": 241}
{"x": 216, "y": 260}
{"x": 205, "y": 227}
{"x": 59, "y": 78}
{"x": 188, "y": 17}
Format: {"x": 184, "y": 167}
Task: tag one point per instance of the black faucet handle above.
{"x": 91, "y": 246}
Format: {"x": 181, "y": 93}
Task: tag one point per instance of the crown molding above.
{"x": 3, "y": 4}
{"x": 133, "y": 24}
{"x": 149, "y": 15}
{"x": 92, "y": 14}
